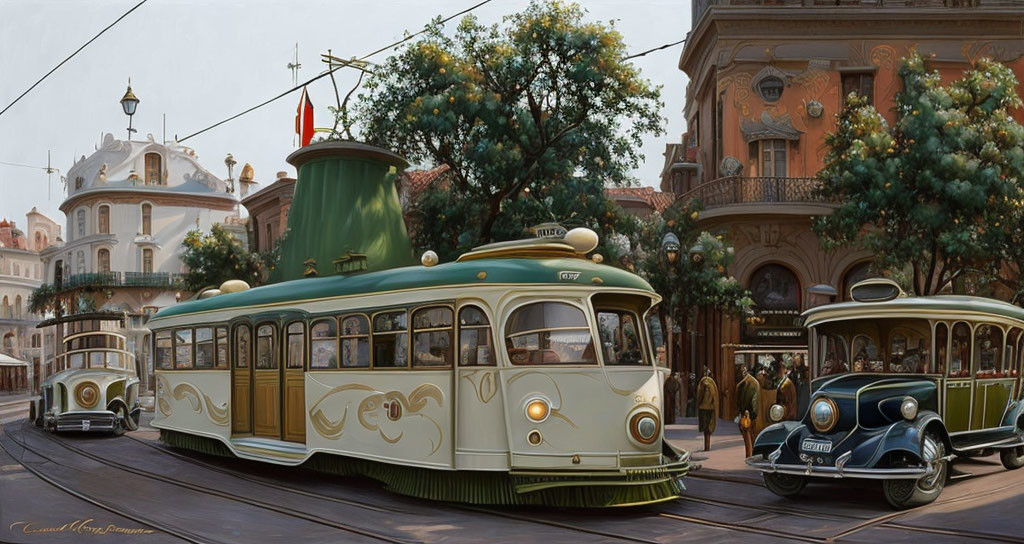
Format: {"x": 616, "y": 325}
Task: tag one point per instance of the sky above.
{"x": 199, "y": 62}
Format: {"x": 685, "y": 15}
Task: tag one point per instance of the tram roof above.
{"x": 939, "y": 306}
{"x": 517, "y": 271}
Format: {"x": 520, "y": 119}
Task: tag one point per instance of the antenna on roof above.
{"x": 50, "y": 170}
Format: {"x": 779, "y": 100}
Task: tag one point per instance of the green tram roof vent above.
{"x": 345, "y": 216}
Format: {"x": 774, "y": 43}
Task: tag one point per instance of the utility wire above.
{"x": 22, "y": 95}
{"x": 331, "y": 71}
{"x": 24, "y": 165}
{"x": 659, "y": 48}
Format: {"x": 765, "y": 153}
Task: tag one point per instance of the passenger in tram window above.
{"x": 355, "y": 342}
{"x": 474, "y": 338}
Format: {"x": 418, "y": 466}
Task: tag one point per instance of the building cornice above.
{"x": 216, "y": 201}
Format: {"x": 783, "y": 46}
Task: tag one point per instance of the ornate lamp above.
{"x": 697, "y": 253}
{"x": 670, "y": 245}
{"x": 128, "y": 103}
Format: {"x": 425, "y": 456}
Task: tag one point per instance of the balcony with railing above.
{"x": 758, "y": 195}
{"x": 156, "y": 280}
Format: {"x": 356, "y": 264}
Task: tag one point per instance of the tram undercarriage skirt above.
{"x": 477, "y": 487}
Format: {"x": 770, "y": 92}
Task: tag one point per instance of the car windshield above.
{"x": 874, "y": 345}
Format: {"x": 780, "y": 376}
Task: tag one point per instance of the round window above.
{"x": 770, "y": 88}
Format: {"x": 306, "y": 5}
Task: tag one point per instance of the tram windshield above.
{"x": 875, "y": 345}
{"x": 545, "y": 333}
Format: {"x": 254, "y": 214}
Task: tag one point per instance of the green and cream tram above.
{"x": 523, "y": 373}
{"x": 902, "y": 386}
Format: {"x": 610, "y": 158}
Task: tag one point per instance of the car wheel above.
{"x": 1012, "y": 458}
{"x": 784, "y": 485}
{"x": 903, "y": 493}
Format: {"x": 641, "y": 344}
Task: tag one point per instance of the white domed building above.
{"x": 129, "y": 205}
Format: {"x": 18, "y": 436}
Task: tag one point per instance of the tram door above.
{"x": 266, "y": 385}
{"x": 241, "y": 377}
{"x": 480, "y": 437}
{"x": 294, "y": 383}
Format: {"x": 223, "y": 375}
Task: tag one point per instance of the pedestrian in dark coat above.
{"x": 707, "y": 407}
{"x": 746, "y": 403}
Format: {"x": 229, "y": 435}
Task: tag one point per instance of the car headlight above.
{"x": 909, "y": 408}
{"x": 644, "y": 427}
{"x": 776, "y": 412}
{"x": 87, "y": 394}
{"x": 537, "y": 410}
{"x": 824, "y": 414}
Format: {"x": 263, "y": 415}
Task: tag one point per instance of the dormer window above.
{"x": 154, "y": 171}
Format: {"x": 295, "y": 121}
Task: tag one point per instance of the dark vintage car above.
{"x": 903, "y": 385}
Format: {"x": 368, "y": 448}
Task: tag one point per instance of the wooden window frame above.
{"x": 274, "y": 351}
{"x": 288, "y": 334}
{"x": 157, "y": 173}
{"x": 368, "y": 336}
{"x": 103, "y": 219}
{"x": 459, "y": 327}
{"x": 374, "y": 334}
{"x": 146, "y": 209}
{"x": 452, "y": 339}
{"x": 234, "y": 345}
{"x": 312, "y": 323}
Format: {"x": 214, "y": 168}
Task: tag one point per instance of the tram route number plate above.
{"x": 85, "y": 424}
{"x": 816, "y": 446}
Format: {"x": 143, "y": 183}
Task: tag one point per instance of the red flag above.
{"x": 304, "y": 119}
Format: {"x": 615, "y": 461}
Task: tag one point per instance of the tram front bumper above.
{"x": 103, "y": 420}
{"x": 768, "y": 463}
{"x": 672, "y": 470}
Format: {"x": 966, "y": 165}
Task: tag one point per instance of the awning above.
{"x": 7, "y": 360}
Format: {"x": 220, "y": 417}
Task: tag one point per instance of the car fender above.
{"x": 902, "y": 436}
{"x": 1014, "y": 416}
{"x": 774, "y": 436}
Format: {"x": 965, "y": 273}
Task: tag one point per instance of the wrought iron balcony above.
{"x": 121, "y": 279}
{"x": 735, "y": 190}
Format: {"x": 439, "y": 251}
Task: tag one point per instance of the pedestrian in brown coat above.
{"x": 707, "y": 407}
{"x": 786, "y": 395}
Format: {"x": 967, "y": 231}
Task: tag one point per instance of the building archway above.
{"x": 857, "y": 272}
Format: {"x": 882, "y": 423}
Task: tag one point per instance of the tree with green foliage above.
{"x": 935, "y": 193}
{"x": 534, "y": 117}
{"x": 213, "y": 258}
{"x": 696, "y": 275}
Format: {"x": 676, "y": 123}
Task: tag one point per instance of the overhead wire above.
{"x": 69, "y": 57}
{"x": 653, "y": 49}
{"x": 352, "y": 63}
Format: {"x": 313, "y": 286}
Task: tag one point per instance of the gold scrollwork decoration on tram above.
{"x": 556, "y": 412}
{"x": 371, "y": 404}
{"x": 484, "y": 383}
{"x": 218, "y": 415}
{"x": 162, "y": 390}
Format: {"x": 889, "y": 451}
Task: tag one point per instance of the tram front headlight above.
{"x": 87, "y": 394}
{"x": 644, "y": 427}
{"x": 824, "y": 414}
{"x": 537, "y": 410}
{"x": 908, "y": 408}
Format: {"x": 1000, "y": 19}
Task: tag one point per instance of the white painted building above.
{"x": 21, "y": 271}
{"x": 129, "y": 205}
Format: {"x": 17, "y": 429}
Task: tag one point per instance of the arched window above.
{"x": 9, "y": 343}
{"x": 432, "y": 337}
{"x": 103, "y": 260}
{"x": 147, "y": 219}
{"x": 324, "y": 344}
{"x": 545, "y": 333}
{"x": 475, "y": 346}
{"x": 17, "y": 307}
{"x": 355, "y": 341}
{"x": 104, "y": 219}
{"x": 80, "y": 259}
{"x": 988, "y": 350}
{"x": 147, "y": 261}
{"x": 941, "y": 350}
{"x": 775, "y": 287}
{"x": 296, "y": 345}
{"x": 960, "y": 350}
{"x": 5, "y": 310}
{"x": 154, "y": 172}
{"x": 80, "y": 216}
{"x": 39, "y": 240}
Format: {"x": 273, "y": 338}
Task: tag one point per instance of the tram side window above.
{"x": 475, "y": 345}
{"x": 222, "y": 347}
{"x": 620, "y": 343}
{"x": 355, "y": 341}
{"x": 657, "y": 336}
{"x": 546, "y": 333}
{"x": 296, "y": 344}
{"x": 391, "y": 339}
{"x": 243, "y": 347}
{"x": 204, "y": 347}
{"x": 432, "y": 337}
{"x": 960, "y": 351}
{"x": 183, "y": 348}
{"x": 865, "y": 355}
{"x": 163, "y": 349}
{"x": 988, "y": 350}
{"x": 323, "y": 344}
{"x": 266, "y": 355}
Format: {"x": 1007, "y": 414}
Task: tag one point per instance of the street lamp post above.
{"x": 128, "y": 103}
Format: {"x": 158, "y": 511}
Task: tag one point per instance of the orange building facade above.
{"x": 767, "y": 78}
